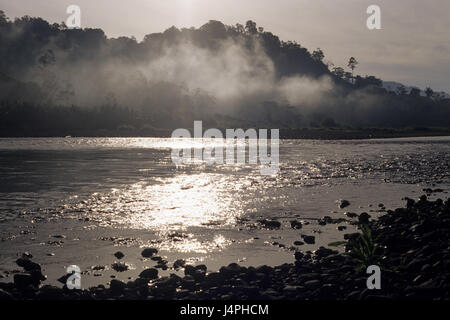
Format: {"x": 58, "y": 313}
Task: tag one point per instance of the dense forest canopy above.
{"x": 55, "y": 80}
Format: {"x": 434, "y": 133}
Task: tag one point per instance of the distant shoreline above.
{"x": 301, "y": 134}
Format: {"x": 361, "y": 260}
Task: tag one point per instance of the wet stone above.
{"x": 23, "y": 280}
{"x": 344, "y": 204}
{"x": 119, "y": 255}
{"x": 150, "y": 273}
{"x": 117, "y": 287}
{"x": 296, "y": 224}
{"x": 148, "y": 252}
{"x": 309, "y": 239}
{"x": 270, "y": 224}
{"x": 119, "y": 266}
{"x": 49, "y": 292}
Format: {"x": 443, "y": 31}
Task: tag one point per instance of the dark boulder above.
{"x": 324, "y": 252}
{"x": 352, "y": 236}
{"x": 23, "y": 280}
{"x": 201, "y": 267}
{"x": 312, "y": 284}
{"x": 117, "y": 287}
{"x": 364, "y": 218}
{"x": 189, "y": 270}
{"x": 119, "y": 266}
{"x": 150, "y": 273}
{"x": 5, "y": 295}
{"x": 119, "y": 255}
{"x": 299, "y": 255}
{"x": 270, "y": 224}
{"x": 344, "y": 204}
{"x": 49, "y": 292}
{"x": 179, "y": 263}
{"x": 214, "y": 279}
{"x": 296, "y": 224}
{"x": 351, "y": 214}
{"x": 27, "y": 264}
{"x": 231, "y": 270}
{"x": 309, "y": 239}
{"x": 148, "y": 252}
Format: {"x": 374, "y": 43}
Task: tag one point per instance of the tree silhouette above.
{"x": 318, "y": 54}
{"x": 352, "y": 63}
{"x": 45, "y": 69}
{"x": 348, "y": 76}
{"x": 415, "y": 92}
{"x": 3, "y": 18}
{"x": 339, "y": 72}
{"x": 239, "y": 28}
{"x": 368, "y": 81}
{"x": 429, "y": 92}
{"x": 250, "y": 27}
{"x": 401, "y": 90}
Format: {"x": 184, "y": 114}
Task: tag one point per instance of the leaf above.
{"x": 336, "y": 243}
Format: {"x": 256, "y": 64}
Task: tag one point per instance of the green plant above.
{"x": 336, "y": 243}
{"x": 364, "y": 249}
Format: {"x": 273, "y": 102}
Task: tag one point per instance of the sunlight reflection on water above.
{"x": 183, "y": 201}
{"x": 131, "y": 183}
{"x": 173, "y": 206}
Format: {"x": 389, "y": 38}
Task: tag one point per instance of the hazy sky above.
{"x": 413, "y": 46}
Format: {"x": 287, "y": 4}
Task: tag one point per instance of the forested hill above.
{"x": 25, "y": 41}
{"x": 58, "y": 81}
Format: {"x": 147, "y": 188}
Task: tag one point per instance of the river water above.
{"x": 78, "y": 200}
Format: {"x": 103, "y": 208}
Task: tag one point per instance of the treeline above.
{"x": 32, "y": 42}
{"x": 60, "y": 81}
{"x": 24, "y": 119}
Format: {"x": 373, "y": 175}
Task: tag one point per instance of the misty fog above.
{"x": 212, "y": 73}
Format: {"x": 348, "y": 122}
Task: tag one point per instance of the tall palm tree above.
{"x": 352, "y": 63}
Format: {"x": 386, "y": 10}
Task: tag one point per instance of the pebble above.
{"x": 309, "y": 239}
{"x": 148, "y": 252}
{"x": 179, "y": 263}
{"x": 150, "y": 273}
{"x": 49, "y": 292}
{"x": 119, "y": 266}
{"x": 270, "y": 224}
{"x": 312, "y": 284}
{"x": 351, "y": 214}
{"x": 22, "y": 280}
{"x": 27, "y": 255}
{"x": 119, "y": 255}
{"x": 413, "y": 241}
{"x": 5, "y": 295}
{"x": 117, "y": 287}
{"x": 27, "y": 264}
{"x": 296, "y": 224}
{"x": 344, "y": 204}
{"x": 364, "y": 218}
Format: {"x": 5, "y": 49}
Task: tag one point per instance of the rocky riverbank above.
{"x": 410, "y": 245}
